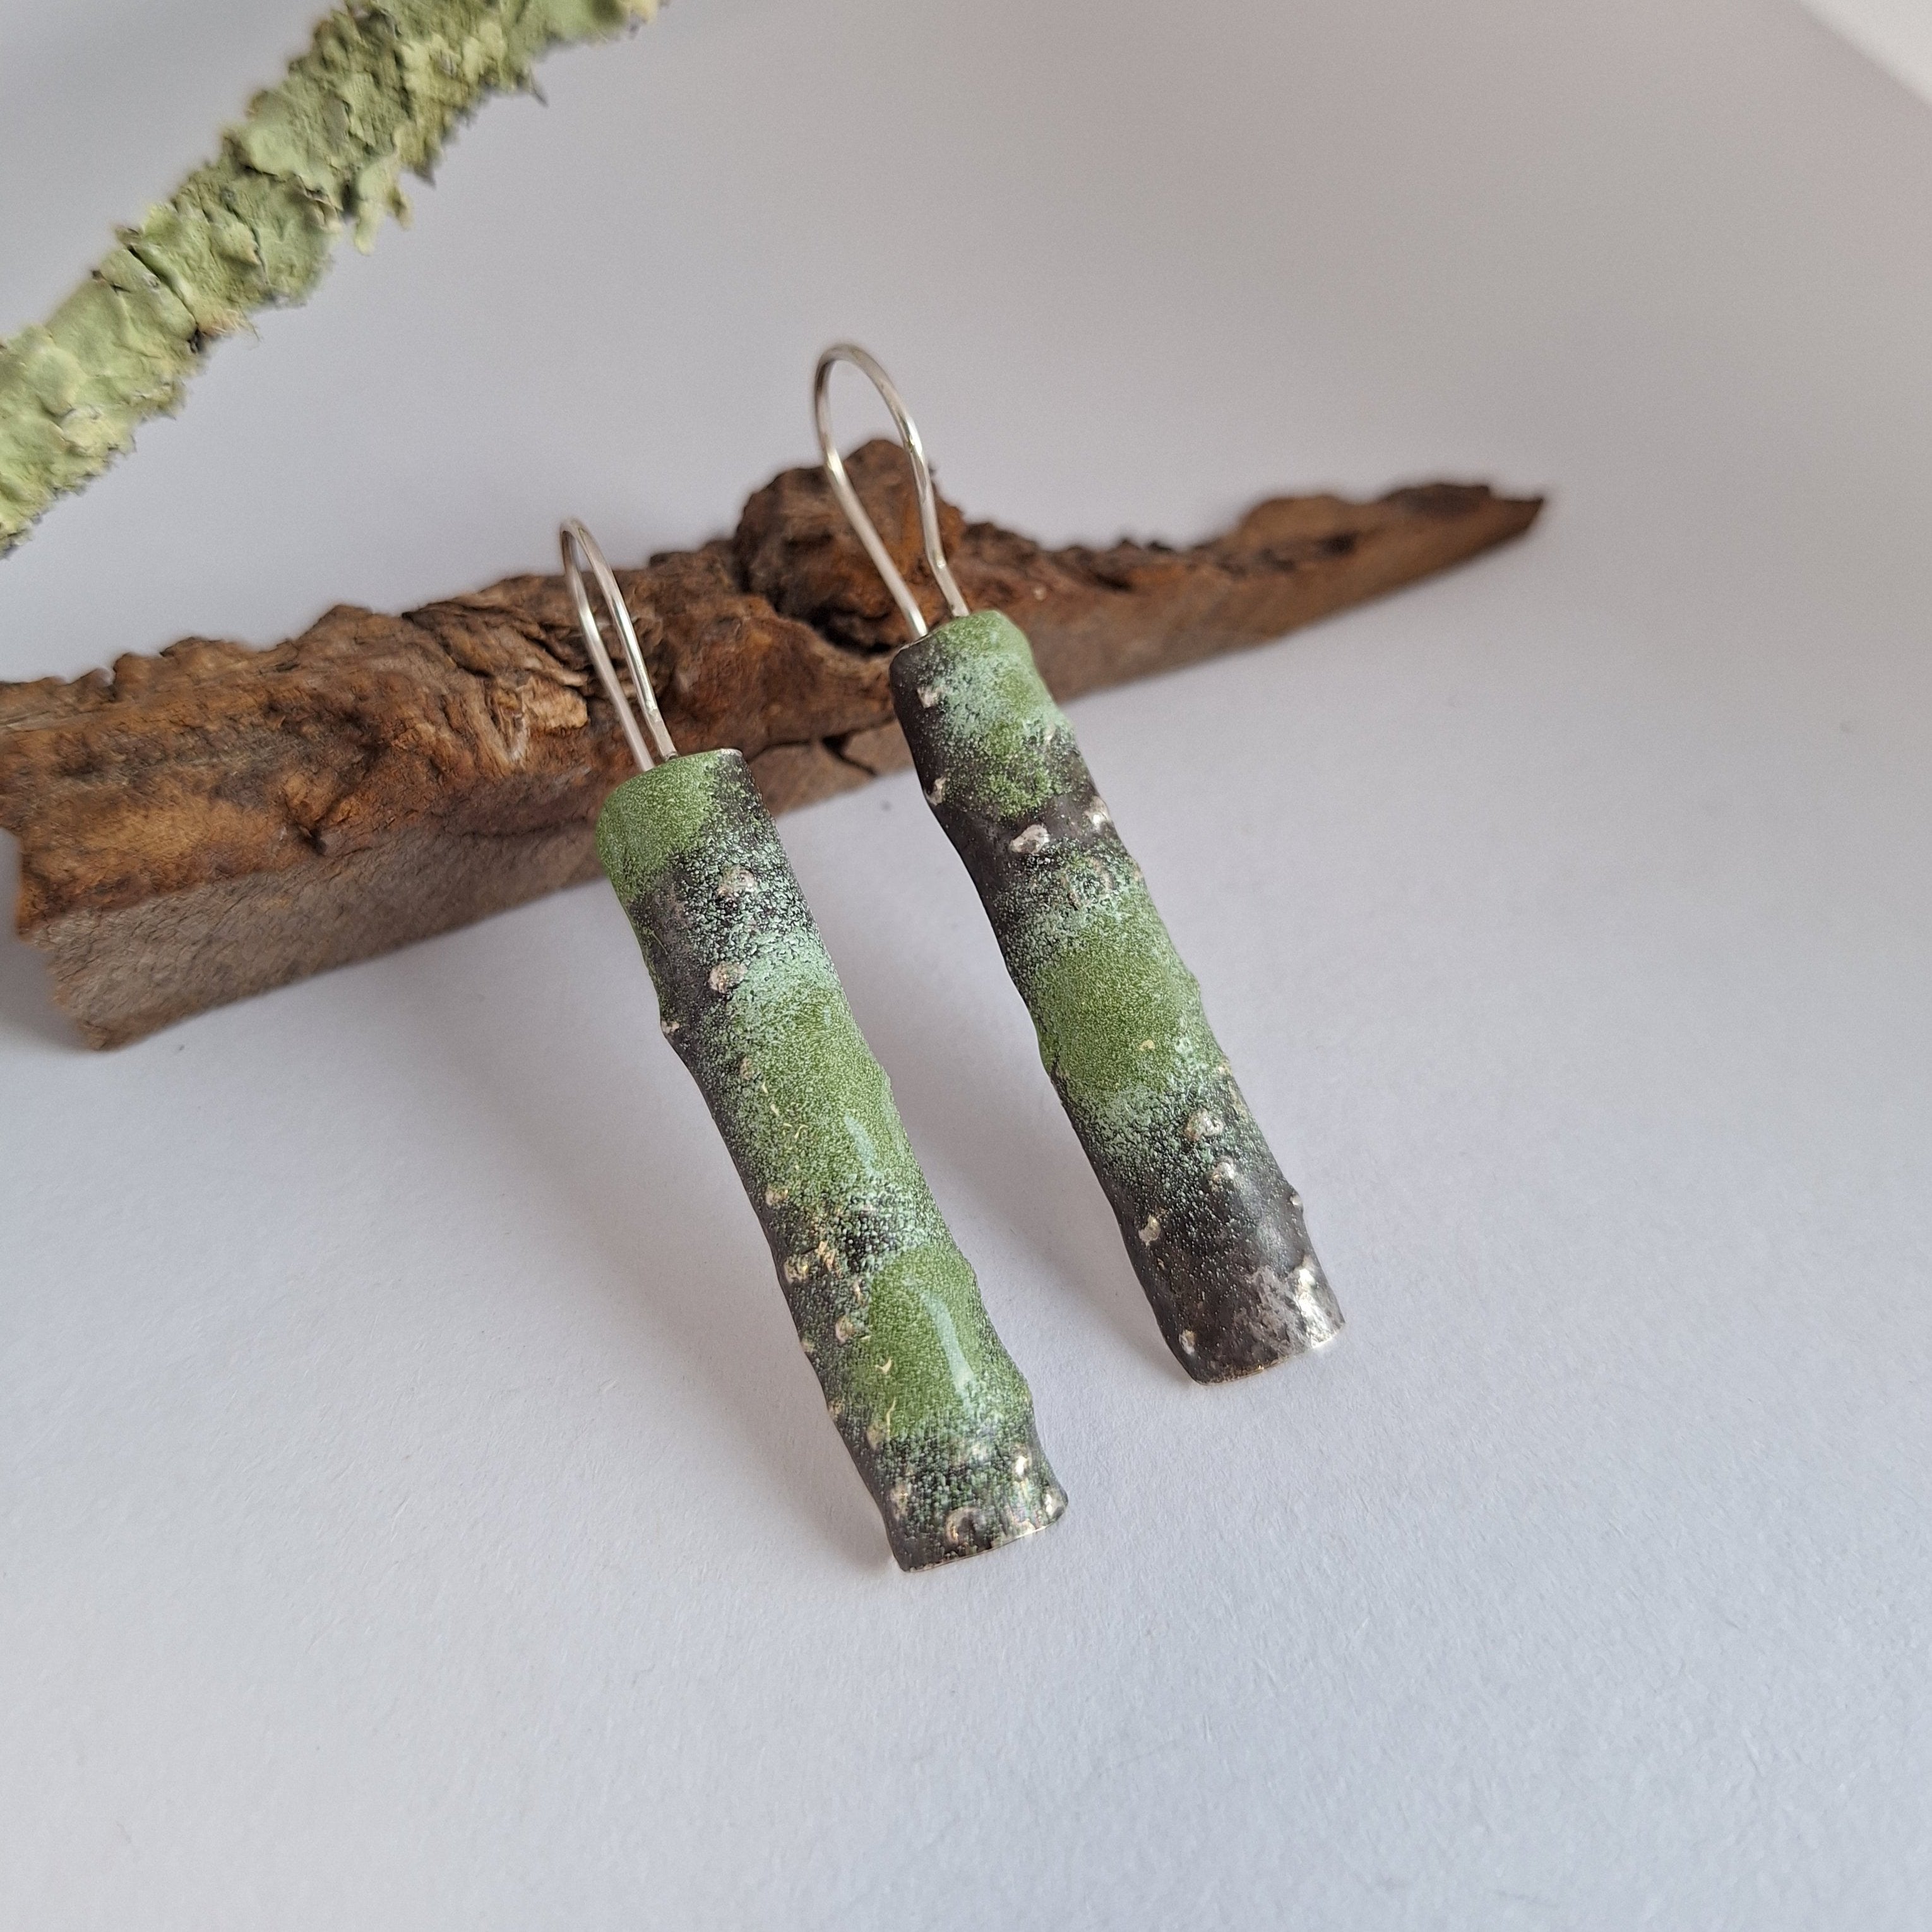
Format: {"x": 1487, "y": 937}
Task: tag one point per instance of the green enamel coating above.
{"x": 994, "y": 702}
{"x": 931, "y": 1405}
{"x": 1119, "y": 1016}
{"x": 1213, "y": 1231}
{"x": 381, "y": 87}
{"x": 650, "y": 820}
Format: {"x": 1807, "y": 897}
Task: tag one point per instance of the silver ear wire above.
{"x": 572, "y": 537}
{"x": 848, "y": 497}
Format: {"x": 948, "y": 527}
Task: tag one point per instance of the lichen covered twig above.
{"x": 382, "y": 86}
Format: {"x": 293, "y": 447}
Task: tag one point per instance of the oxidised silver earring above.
{"x": 937, "y": 1418}
{"x": 1214, "y": 1232}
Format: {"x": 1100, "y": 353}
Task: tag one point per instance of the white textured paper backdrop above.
{"x": 416, "y": 1511}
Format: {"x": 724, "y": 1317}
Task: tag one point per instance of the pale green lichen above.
{"x": 382, "y": 87}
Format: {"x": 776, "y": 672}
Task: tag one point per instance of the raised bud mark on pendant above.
{"x": 725, "y": 975}
{"x": 1035, "y": 839}
{"x": 961, "y": 1523}
{"x": 736, "y": 882}
{"x": 936, "y": 795}
{"x": 1203, "y": 1126}
{"x": 1151, "y": 1231}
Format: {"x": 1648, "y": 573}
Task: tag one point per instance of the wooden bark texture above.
{"x": 215, "y": 820}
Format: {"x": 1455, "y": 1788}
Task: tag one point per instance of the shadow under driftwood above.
{"x": 27, "y": 1008}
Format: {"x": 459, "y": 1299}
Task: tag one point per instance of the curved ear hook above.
{"x": 848, "y": 497}
{"x": 571, "y": 537}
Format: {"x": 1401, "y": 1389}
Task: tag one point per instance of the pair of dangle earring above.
{"x": 932, "y": 1410}
{"x": 930, "y": 1407}
{"x": 1214, "y": 1232}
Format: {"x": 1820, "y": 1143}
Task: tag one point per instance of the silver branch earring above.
{"x": 1214, "y": 1232}
{"x": 937, "y": 1418}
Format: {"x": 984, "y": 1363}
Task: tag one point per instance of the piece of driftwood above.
{"x": 216, "y": 820}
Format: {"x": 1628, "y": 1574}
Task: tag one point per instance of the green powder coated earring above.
{"x": 1214, "y": 1232}
{"x": 935, "y": 1414}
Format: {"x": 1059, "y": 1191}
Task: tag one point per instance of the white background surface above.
{"x": 417, "y": 1512}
